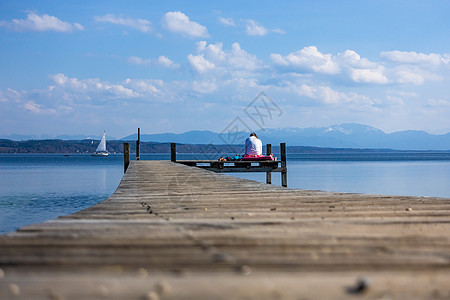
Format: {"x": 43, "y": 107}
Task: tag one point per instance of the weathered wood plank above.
{"x": 174, "y": 232}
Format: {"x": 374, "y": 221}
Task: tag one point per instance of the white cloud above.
{"x": 212, "y": 57}
{"x": 35, "y": 22}
{"x": 404, "y": 94}
{"x": 323, "y": 93}
{"x": 32, "y": 107}
{"x": 438, "y": 103}
{"x": 413, "y": 74}
{"x": 307, "y": 59}
{"x": 227, "y": 21}
{"x": 204, "y": 87}
{"x": 3, "y": 98}
{"x": 253, "y": 28}
{"x": 139, "y": 24}
{"x": 134, "y": 60}
{"x": 352, "y": 59}
{"x": 165, "y": 62}
{"x": 392, "y": 100}
{"x": 279, "y": 31}
{"x": 328, "y": 96}
{"x": 369, "y": 75}
{"x": 199, "y": 63}
{"x": 416, "y": 58}
{"x": 162, "y": 61}
{"x": 90, "y": 87}
{"x": 35, "y": 108}
{"x": 406, "y": 76}
{"x": 178, "y": 22}
{"x": 348, "y": 65}
{"x": 144, "y": 87}
{"x": 241, "y": 59}
{"x": 78, "y": 26}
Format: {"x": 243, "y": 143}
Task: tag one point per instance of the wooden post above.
{"x": 138, "y": 145}
{"x": 283, "y": 164}
{"x": 268, "y": 174}
{"x": 126, "y": 156}
{"x": 173, "y": 152}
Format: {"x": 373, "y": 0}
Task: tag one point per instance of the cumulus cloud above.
{"x": 227, "y": 21}
{"x": 35, "y": 22}
{"x": 3, "y": 98}
{"x": 323, "y": 93}
{"x": 404, "y": 94}
{"x": 134, "y": 60}
{"x": 414, "y": 74}
{"x": 26, "y": 101}
{"x": 162, "y": 61}
{"x": 253, "y": 28}
{"x": 165, "y": 62}
{"x": 329, "y": 96}
{"x": 348, "y": 65}
{"x": 392, "y": 100}
{"x": 144, "y": 86}
{"x": 213, "y": 57}
{"x": 90, "y": 88}
{"x": 204, "y": 87}
{"x": 139, "y": 24}
{"x": 416, "y": 58}
{"x": 199, "y": 63}
{"x": 178, "y": 22}
{"x": 306, "y": 60}
{"x": 279, "y": 30}
{"x": 35, "y": 108}
{"x": 11, "y": 96}
{"x": 438, "y": 102}
{"x": 406, "y": 75}
{"x": 369, "y": 75}
{"x": 353, "y": 59}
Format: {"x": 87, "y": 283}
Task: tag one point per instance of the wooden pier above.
{"x": 172, "y": 231}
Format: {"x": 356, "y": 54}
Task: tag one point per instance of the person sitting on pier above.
{"x": 253, "y": 146}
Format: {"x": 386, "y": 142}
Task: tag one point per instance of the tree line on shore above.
{"x": 116, "y": 146}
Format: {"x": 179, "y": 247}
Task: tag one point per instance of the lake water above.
{"x": 39, "y": 187}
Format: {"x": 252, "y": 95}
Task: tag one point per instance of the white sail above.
{"x": 101, "y": 149}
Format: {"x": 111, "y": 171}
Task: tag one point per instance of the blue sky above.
{"x": 81, "y": 67}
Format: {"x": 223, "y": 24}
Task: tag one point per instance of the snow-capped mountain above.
{"x": 346, "y": 135}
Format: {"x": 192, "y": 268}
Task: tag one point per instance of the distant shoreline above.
{"x": 116, "y": 146}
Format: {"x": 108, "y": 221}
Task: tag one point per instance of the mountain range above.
{"x": 347, "y": 135}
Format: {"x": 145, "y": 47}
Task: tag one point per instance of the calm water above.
{"x": 39, "y": 187}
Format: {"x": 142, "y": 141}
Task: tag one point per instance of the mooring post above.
{"x": 126, "y": 156}
{"x": 283, "y": 164}
{"x": 138, "y": 145}
{"x": 173, "y": 152}
{"x": 268, "y": 174}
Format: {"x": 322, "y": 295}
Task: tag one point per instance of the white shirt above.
{"x": 253, "y": 146}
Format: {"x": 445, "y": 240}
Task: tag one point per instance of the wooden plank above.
{"x": 138, "y": 145}
{"x": 175, "y": 232}
{"x": 126, "y": 156}
{"x": 268, "y": 174}
{"x": 283, "y": 164}
{"x": 173, "y": 152}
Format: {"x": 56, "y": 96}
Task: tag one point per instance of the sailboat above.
{"x": 101, "y": 148}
